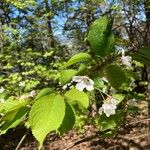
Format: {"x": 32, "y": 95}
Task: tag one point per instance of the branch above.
{"x": 22, "y": 140}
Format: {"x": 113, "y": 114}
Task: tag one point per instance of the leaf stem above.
{"x": 22, "y": 140}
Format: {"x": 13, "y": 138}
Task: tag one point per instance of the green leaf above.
{"x": 116, "y": 76}
{"x": 69, "y": 119}
{"x": 98, "y": 83}
{"x": 77, "y": 58}
{"x": 46, "y": 115}
{"x": 13, "y": 118}
{"x": 75, "y": 96}
{"x": 11, "y": 105}
{"x": 82, "y": 69}
{"x": 118, "y": 97}
{"x": 111, "y": 122}
{"x": 145, "y": 52}
{"x": 44, "y": 92}
{"x": 142, "y": 59}
{"x": 66, "y": 75}
{"x": 10, "y": 98}
{"x": 143, "y": 55}
{"x": 100, "y": 37}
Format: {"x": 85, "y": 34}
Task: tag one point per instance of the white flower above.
{"x": 83, "y": 82}
{"x": 111, "y": 100}
{"x": 22, "y": 84}
{"x": 23, "y": 97}
{"x": 2, "y": 100}
{"x": 66, "y": 86}
{"x": 100, "y": 110}
{"x": 126, "y": 60}
{"x": 33, "y": 93}
{"x": 26, "y": 96}
{"x": 108, "y": 107}
{"x": 2, "y": 90}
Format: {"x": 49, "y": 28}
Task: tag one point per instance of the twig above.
{"x": 22, "y": 140}
{"x": 88, "y": 138}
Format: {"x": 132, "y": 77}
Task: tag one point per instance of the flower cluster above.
{"x": 109, "y": 106}
{"x": 126, "y": 60}
{"x": 82, "y": 82}
{"x": 26, "y": 96}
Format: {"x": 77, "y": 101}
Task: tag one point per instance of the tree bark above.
{"x": 147, "y": 43}
{"x": 49, "y": 25}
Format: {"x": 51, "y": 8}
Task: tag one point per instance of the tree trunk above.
{"x": 147, "y": 43}
{"x": 49, "y": 25}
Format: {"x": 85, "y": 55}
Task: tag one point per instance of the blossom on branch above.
{"x": 108, "y": 107}
{"x": 26, "y": 96}
{"x": 83, "y": 82}
{"x": 126, "y": 60}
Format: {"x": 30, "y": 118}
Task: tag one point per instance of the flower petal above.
{"x": 77, "y": 78}
{"x": 80, "y": 86}
{"x": 109, "y": 109}
{"x": 100, "y": 110}
{"x": 89, "y": 87}
{"x": 83, "y": 82}
{"x": 113, "y": 101}
{"x": 126, "y": 60}
{"x": 91, "y": 81}
{"x": 109, "y": 112}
